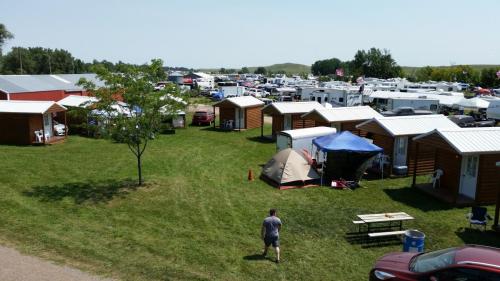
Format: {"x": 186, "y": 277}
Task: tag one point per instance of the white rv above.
{"x": 337, "y": 97}
{"x": 493, "y": 110}
{"x": 421, "y": 103}
{"x": 302, "y": 139}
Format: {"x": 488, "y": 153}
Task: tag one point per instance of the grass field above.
{"x": 197, "y": 218}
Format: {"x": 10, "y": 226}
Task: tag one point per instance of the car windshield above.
{"x": 433, "y": 260}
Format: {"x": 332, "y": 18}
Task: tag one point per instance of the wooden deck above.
{"x": 52, "y": 140}
{"x": 446, "y": 196}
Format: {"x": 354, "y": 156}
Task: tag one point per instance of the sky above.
{"x": 233, "y": 34}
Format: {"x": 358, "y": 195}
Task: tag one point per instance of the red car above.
{"x": 203, "y": 118}
{"x": 467, "y": 263}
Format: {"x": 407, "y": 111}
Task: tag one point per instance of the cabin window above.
{"x": 326, "y": 99}
{"x": 313, "y": 98}
{"x": 319, "y": 99}
{"x": 434, "y": 107}
{"x": 341, "y": 99}
{"x": 471, "y": 166}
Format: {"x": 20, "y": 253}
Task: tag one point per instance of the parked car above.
{"x": 467, "y": 121}
{"x": 471, "y": 262}
{"x": 59, "y": 129}
{"x": 405, "y": 111}
{"x": 203, "y": 118}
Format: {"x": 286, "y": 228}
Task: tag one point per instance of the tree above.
{"x": 489, "y": 78}
{"x": 4, "y": 36}
{"x": 326, "y": 67}
{"x": 261, "y": 70}
{"x": 138, "y": 121}
{"x": 244, "y": 70}
{"x": 376, "y": 63}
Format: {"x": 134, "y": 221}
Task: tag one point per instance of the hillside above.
{"x": 479, "y": 67}
{"x": 289, "y": 68}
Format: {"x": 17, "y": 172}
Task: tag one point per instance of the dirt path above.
{"x": 15, "y": 266}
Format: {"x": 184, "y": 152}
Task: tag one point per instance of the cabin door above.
{"x": 287, "y": 123}
{"x": 469, "y": 176}
{"x": 239, "y": 118}
{"x": 400, "y": 149}
{"x": 47, "y": 124}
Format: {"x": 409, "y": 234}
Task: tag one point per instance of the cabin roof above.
{"x": 408, "y": 125}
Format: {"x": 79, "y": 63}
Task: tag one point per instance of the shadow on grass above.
{"x": 357, "y": 238}
{"x": 415, "y": 198}
{"x": 259, "y": 139}
{"x": 83, "y": 192}
{"x": 478, "y": 237}
{"x": 255, "y": 257}
{"x": 212, "y": 129}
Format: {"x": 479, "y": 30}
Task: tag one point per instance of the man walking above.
{"x": 270, "y": 233}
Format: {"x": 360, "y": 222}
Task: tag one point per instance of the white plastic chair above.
{"x": 436, "y": 178}
{"x": 38, "y": 136}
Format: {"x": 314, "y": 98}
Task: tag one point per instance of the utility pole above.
{"x": 20, "y": 59}
{"x": 50, "y": 66}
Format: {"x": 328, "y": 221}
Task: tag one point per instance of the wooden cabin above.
{"x": 31, "y": 122}
{"x": 287, "y": 115}
{"x": 468, "y": 160}
{"x": 240, "y": 113}
{"x": 342, "y": 118}
{"x": 394, "y": 135}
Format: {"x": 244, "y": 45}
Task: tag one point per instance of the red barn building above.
{"x": 43, "y": 87}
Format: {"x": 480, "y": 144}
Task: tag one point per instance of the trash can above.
{"x": 413, "y": 241}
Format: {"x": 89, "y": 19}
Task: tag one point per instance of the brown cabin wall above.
{"x": 226, "y": 113}
{"x": 278, "y": 123}
{"x": 351, "y": 127}
{"x": 425, "y": 159}
{"x": 15, "y": 128}
{"x": 253, "y": 117}
{"x": 299, "y": 123}
{"x": 387, "y": 144}
{"x": 488, "y": 179}
{"x": 450, "y": 163}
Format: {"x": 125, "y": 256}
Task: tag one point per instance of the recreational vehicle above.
{"x": 302, "y": 139}
{"x": 493, "y": 110}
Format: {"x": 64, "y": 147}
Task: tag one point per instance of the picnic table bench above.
{"x": 371, "y": 221}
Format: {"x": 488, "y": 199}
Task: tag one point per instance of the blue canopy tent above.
{"x": 347, "y": 156}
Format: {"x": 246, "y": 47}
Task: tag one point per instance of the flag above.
{"x": 339, "y": 72}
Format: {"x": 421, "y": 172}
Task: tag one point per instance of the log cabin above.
{"x": 394, "y": 135}
{"x": 468, "y": 160}
{"x": 240, "y": 113}
{"x": 287, "y": 115}
{"x": 31, "y": 122}
{"x": 342, "y": 118}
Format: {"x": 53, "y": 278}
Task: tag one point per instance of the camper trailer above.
{"x": 302, "y": 138}
{"x": 337, "y": 97}
{"x": 493, "y": 110}
{"x": 421, "y": 103}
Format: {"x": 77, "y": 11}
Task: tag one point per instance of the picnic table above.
{"x": 372, "y": 219}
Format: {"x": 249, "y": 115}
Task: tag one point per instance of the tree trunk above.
{"x": 139, "y": 169}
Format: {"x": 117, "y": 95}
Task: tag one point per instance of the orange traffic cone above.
{"x": 250, "y": 175}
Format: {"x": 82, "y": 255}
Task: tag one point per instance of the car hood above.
{"x": 59, "y": 126}
{"x": 395, "y": 261}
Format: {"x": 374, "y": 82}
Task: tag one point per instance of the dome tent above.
{"x": 288, "y": 168}
{"x": 347, "y": 155}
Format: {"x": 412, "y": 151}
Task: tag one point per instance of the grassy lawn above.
{"x": 198, "y": 217}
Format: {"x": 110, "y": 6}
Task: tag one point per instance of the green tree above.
{"x": 376, "y": 63}
{"x": 326, "y": 67}
{"x": 489, "y": 78}
{"x": 147, "y": 107}
{"x": 244, "y": 70}
{"x": 261, "y": 70}
{"x": 4, "y": 36}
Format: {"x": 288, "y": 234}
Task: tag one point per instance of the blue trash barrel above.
{"x": 413, "y": 241}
